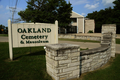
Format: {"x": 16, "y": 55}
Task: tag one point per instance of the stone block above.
{"x": 83, "y": 70}
{"x": 60, "y": 70}
{"x": 95, "y": 57}
{"x": 86, "y": 61}
{"x": 74, "y": 54}
{"x": 65, "y": 61}
{"x": 52, "y": 62}
{"x": 75, "y": 60}
{"x": 51, "y": 52}
{"x": 86, "y": 65}
{"x": 64, "y": 73}
{"x": 74, "y": 64}
{"x": 62, "y": 54}
{"x": 63, "y": 77}
{"x": 63, "y": 65}
{"x": 52, "y": 69}
{"x": 49, "y": 55}
{"x": 61, "y": 58}
{"x": 93, "y": 64}
{"x": 70, "y": 69}
{"x": 76, "y": 72}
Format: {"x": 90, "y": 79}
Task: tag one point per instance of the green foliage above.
{"x": 90, "y": 31}
{"x": 47, "y": 11}
{"x": 5, "y": 29}
{"x": 107, "y": 16}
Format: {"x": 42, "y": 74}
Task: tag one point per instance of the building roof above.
{"x": 75, "y": 15}
{"x": 88, "y": 19}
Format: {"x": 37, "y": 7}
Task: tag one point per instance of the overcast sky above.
{"x": 82, "y": 7}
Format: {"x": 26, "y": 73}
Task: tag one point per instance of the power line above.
{"x": 13, "y": 10}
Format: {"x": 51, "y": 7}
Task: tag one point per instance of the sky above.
{"x": 82, "y": 7}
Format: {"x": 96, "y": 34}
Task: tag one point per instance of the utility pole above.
{"x": 13, "y": 10}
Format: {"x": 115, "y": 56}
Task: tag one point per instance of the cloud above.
{"x": 77, "y": 2}
{"x": 7, "y": 7}
{"x": 1, "y": 6}
{"x": 91, "y": 6}
{"x": 108, "y": 3}
{"x": 83, "y": 14}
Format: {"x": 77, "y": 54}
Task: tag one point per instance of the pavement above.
{"x": 89, "y": 45}
{"x": 83, "y": 45}
{"x": 3, "y": 39}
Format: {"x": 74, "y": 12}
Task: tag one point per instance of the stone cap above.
{"x": 113, "y": 25}
{"x": 61, "y": 46}
{"x": 95, "y": 50}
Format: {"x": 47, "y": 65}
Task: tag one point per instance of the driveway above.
{"x": 83, "y": 45}
{"x": 3, "y": 39}
{"x": 89, "y": 45}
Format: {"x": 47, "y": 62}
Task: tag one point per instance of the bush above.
{"x": 90, "y": 31}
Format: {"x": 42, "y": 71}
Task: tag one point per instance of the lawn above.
{"x": 26, "y": 65}
{"x": 79, "y": 40}
{"x": 32, "y": 66}
{"x": 117, "y": 41}
{"x": 4, "y": 35}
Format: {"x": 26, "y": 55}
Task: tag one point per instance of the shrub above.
{"x": 90, "y": 31}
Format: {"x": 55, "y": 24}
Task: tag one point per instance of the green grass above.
{"x": 32, "y": 66}
{"x": 84, "y": 49}
{"x": 5, "y": 35}
{"x": 26, "y": 65}
{"x": 117, "y": 41}
{"x": 111, "y": 72}
{"x": 78, "y": 40}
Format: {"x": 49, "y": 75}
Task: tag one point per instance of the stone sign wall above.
{"x": 66, "y": 61}
{"x": 63, "y": 61}
{"x": 110, "y": 28}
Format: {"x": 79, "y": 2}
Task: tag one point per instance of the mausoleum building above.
{"x": 80, "y": 24}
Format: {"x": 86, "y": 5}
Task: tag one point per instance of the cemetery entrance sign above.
{"x": 30, "y": 35}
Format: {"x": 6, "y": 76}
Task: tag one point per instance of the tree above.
{"x": 117, "y": 14}
{"x": 107, "y": 16}
{"x": 6, "y": 30}
{"x": 2, "y": 29}
{"x": 47, "y": 11}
